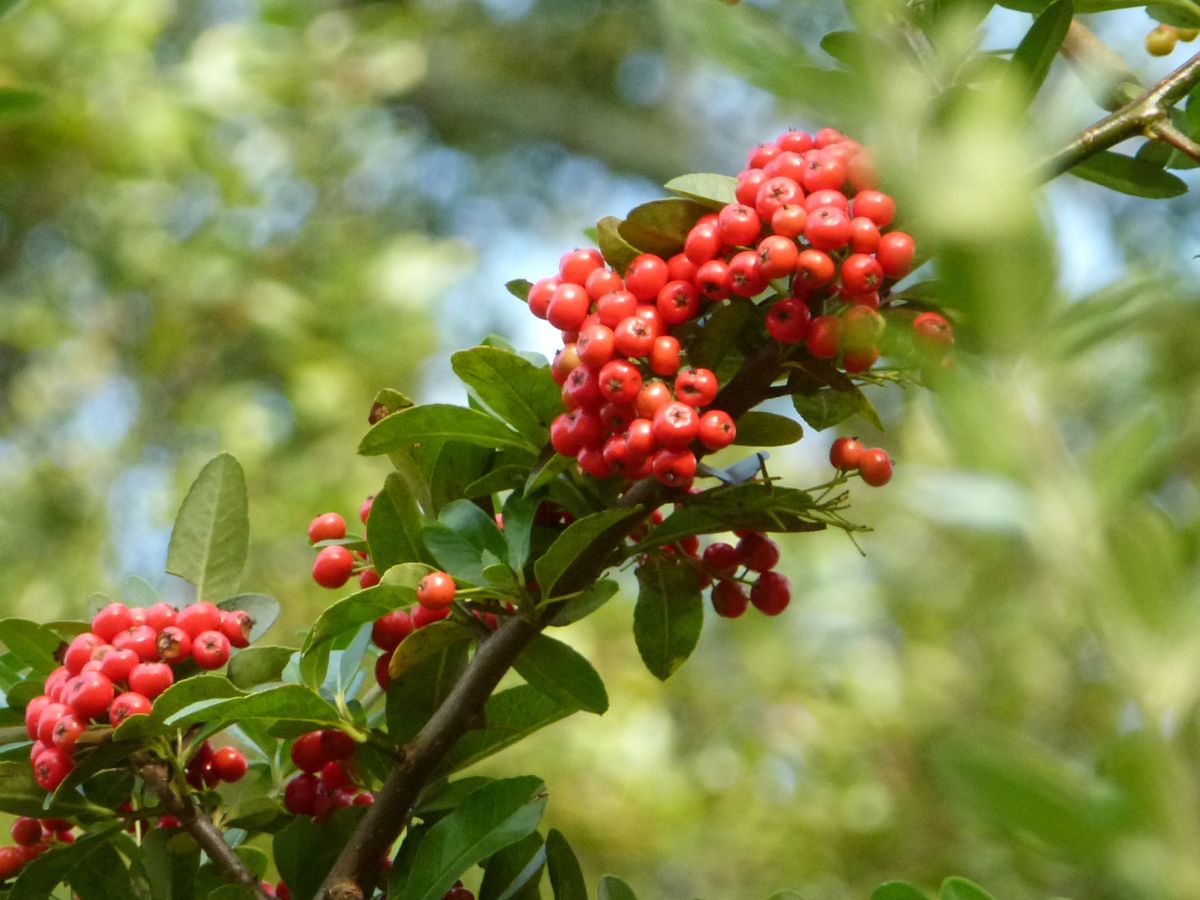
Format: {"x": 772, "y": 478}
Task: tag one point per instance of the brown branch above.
{"x": 196, "y": 822}
{"x": 357, "y": 870}
{"x": 1143, "y": 115}
{"x": 1165, "y": 131}
{"x": 1101, "y": 70}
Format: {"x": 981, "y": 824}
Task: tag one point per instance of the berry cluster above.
{"x": 325, "y": 782}
{"x": 32, "y": 837}
{"x": 335, "y": 563}
{"x": 873, "y": 464}
{"x": 118, "y": 667}
{"x": 207, "y": 767}
{"x": 1162, "y": 38}
{"x": 751, "y": 562}
{"x": 807, "y": 232}
{"x": 435, "y": 595}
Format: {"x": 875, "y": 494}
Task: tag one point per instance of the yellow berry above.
{"x": 1161, "y": 40}
{"x": 1187, "y": 35}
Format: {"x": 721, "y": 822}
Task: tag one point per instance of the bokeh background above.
{"x": 224, "y": 224}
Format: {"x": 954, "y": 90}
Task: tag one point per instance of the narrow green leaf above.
{"x": 511, "y": 716}
{"x": 712, "y": 191}
{"x": 617, "y": 251}
{"x": 518, "y": 515}
{"x": 518, "y": 392}
{"x": 212, "y": 530}
{"x": 104, "y": 876}
{"x": 753, "y": 505}
{"x": 169, "y": 866}
{"x": 31, "y": 643}
{"x": 957, "y": 888}
{"x": 566, "y": 876}
{"x": 258, "y": 665}
{"x": 1129, "y": 175}
{"x": 304, "y": 851}
{"x": 560, "y": 671}
{"x": 498, "y": 814}
{"x": 454, "y": 553}
{"x": 286, "y": 702}
{"x": 467, "y": 519}
{"x": 844, "y": 46}
{"x": 41, "y": 875}
{"x": 660, "y": 226}
{"x": 21, "y": 796}
{"x": 439, "y": 422}
{"x": 519, "y": 288}
{"x": 585, "y": 603}
{"x": 411, "y": 700}
{"x": 897, "y": 890}
{"x": 426, "y": 642}
{"x": 668, "y": 616}
{"x": 764, "y": 429}
{"x": 181, "y": 694}
{"x": 829, "y": 406}
{"x": 394, "y": 525}
{"x": 576, "y": 546}
{"x": 397, "y": 588}
{"x": 514, "y": 872}
{"x": 613, "y": 888}
{"x": 1032, "y": 59}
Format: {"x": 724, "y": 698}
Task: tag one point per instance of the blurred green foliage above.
{"x": 225, "y": 225}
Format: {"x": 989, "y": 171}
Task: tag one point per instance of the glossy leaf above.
{"x": 711, "y": 190}
{"x": 33, "y": 644}
{"x": 613, "y": 888}
{"x": 1034, "y": 55}
{"x": 561, "y": 672}
{"x": 411, "y": 700}
{"x": 493, "y": 817}
{"x": 566, "y": 876}
{"x": 21, "y": 796}
{"x": 1129, "y": 175}
{"x": 518, "y": 515}
{"x": 574, "y": 549}
{"x": 514, "y": 872}
{"x": 439, "y": 422}
{"x": 521, "y": 394}
{"x": 957, "y": 888}
{"x": 668, "y": 616}
{"x": 426, "y": 642}
{"x": 510, "y": 715}
{"x": 305, "y": 851}
{"x": 828, "y": 407}
{"x": 519, "y": 288}
{"x": 397, "y": 588}
{"x": 753, "y": 506}
{"x": 394, "y": 525}
{"x": 286, "y": 702}
{"x": 168, "y": 866}
{"x": 897, "y": 890}
{"x": 181, "y": 694}
{"x": 661, "y": 226}
{"x": 617, "y": 251}
{"x": 585, "y": 603}
{"x": 212, "y": 531}
{"x": 258, "y": 665}
{"x": 93, "y": 849}
{"x": 764, "y": 429}
{"x": 457, "y": 465}
{"x": 472, "y": 523}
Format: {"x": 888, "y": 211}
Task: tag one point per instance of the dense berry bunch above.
{"x": 326, "y": 780}
{"x": 873, "y": 465}
{"x": 31, "y": 838}
{"x": 806, "y": 241}
{"x": 336, "y": 561}
{"x": 116, "y": 669}
{"x": 750, "y": 563}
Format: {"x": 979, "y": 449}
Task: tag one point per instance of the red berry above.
{"x": 391, "y": 628}
{"x": 308, "y": 752}
{"x": 26, "y": 831}
{"x": 788, "y": 320}
{"x": 128, "y": 704}
{"x": 721, "y": 559}
{"x": 634, "y": 337}
{"x": 750, "y": 182}
{"x": 327, "y": 527}
{"x": 540, "y": 294}
{"x": 746, "y": 278}
{"x": 382, "y": 677}
{"x": 236, "y": 624}
{"x": 729, "y": 599}
{"x": 48, "y": 718}
{"x": 895, "y": 254}
{"x": 80, "y": 650}
{"x": 596, "y": 345}
{"x": 367, "y": 578}
{"x": 67, "y": 731}
{"x": 674, "y": 468}
{"x": 89, "y": 694}
{"x": 436, "y": 591}
{"x": 51, "y": 767}
{"x": 758, "y": 552}
{"x": 702, "y": 244}
{"x": 696, "y": 387}
{"x": 777, "y": 256}
{"x": 787, "y": 164}
{"x": 12, "y": 860}
{"x": 845, "y": 453}
{"x": 645, "y": 276}
{"x": 771, "y": 593}
{"x": 151, "y": 679}
{"x": 717, "y": 429}
{"x": 664, "y": 356}
{"x": 174, "y": 644}
{"x": 210, "y": 649}
{"x": 300, "y": 794}
{"x": 876, "y": 206}
{"x": 774, "y": 194}
{"x": 569, "y": 305}
{"x": 714, "y": 279}
{"x": 676, "y": 425}
{"x": 111, "y": 620}
{"x": 828, "y": 228}
{"x": 230, "y": 764}
{"x": 332, "y": 567}
{"x": 364, "y": 509}
{"x": 815, "y": 268}
{"x": 864, "y": 235}
{"x": 824, "y": 172}
{"x": 678, "y": 301}
{"x": 204, "y": 616}
{"x": 789, "y": 220}
{"x": 875, "y": 467}
{"x": 337, "y": 744}
{"x": 619, "y": 381}
{"x": 602, "y": 281}
{"x": 577, "y": 265}
{"x": 33, "y": 710}
{"x": 141, "y": 639}
{"x": 861, "y": 273}
{"x": 615, "y": 306}
{"x": 932, "y": 332}
{"x": 653, "y": 396}
{"x": 795, "y": 141}
{"x": 738, "y": 225}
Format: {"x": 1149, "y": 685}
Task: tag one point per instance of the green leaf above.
{"x": 511, "y": 715}
{"x": 394, "y": 525}
{"x": 417, "y": 425}
{"x": 137, "y": 591}
{"x": 764, "y": 429}
{"x": 468, "y": 520}
{"x": 613, "y": 888}
{"x": 561, "y": 672}
{"x": 258, "y": 665}
{"x": 585, "y": 603}
{"x": 169, "y": 866}
{"x": 493, "y": 817}
{"x": 897, "y": 890}
{"x": 304, "y": 851}
{"x": 181, "y": 694}
{"x": 1032, "y": 59}
{"x": 660, "y": 227}
{"x": 515, "y": 871}
{"x": 457, "y": 465}
{"x": 617, "y": 251}
{"x": 397, "y": 588}
{"x": 411, "y": 700}
{"x": 712, "y": 191}
{"x": 93, "y": 849}
{"x": 286, "y": 702}
{"x": 21, "y": 796}
{"x": 1180, "y": 14}
{"x": 566, "y": 876}
{"x": 956, "y": 888}
{"x": 426, "y": 642}
{"x": 519, "y": 288}
{"x": 829, "y": 406}
{"x": 845, "y": 46}
{"x": 574, "y": 550}
{"x": 1129, "y": 175}
{"x": 668, "y": 616}
{"x": 263, "y": 609}
{"x": 33, "y": 644}
{"x": 212, "y": 531}
{"x": 518, "y": 515}
{"x": 454, "y": 553}
{"x": 754, "y": 506}
{"x": 518, "y": 392}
